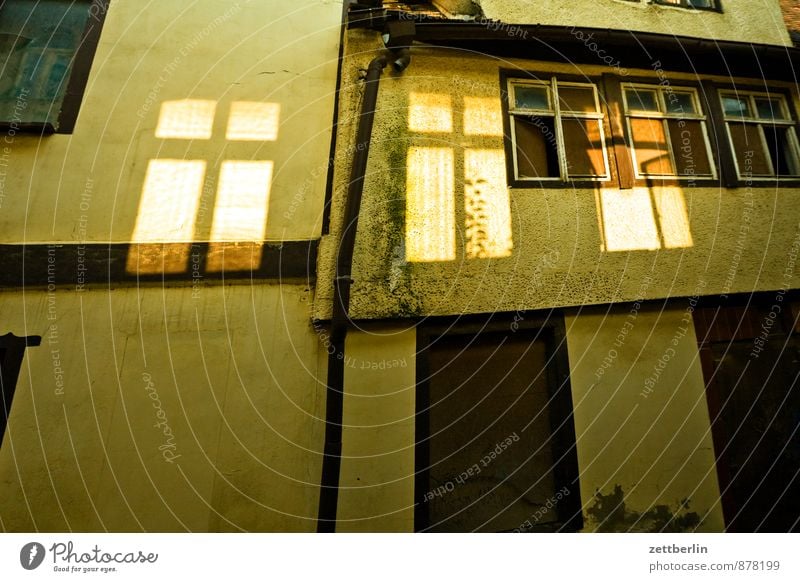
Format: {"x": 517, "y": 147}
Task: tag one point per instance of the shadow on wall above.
{"x": 186, "y": 201}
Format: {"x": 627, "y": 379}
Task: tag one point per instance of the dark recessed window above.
{"x": 12, "y": 350}
{"x": 45, "y": 49}
{"x": 762, "y": 134}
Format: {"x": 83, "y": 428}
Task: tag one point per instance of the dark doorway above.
{"x": 496, "y": 442}
{"x": 751, "y": 363}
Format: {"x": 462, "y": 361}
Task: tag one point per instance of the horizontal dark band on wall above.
{"x": 76, "y": 265}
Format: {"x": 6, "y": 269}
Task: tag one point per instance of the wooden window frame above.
{"x": 549, "y": 327}
{"x": 78, "y": 78}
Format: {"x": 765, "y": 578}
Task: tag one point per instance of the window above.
{"x": 557, "y": 131}
{"x": 667, "y": 130}
{"x": 45, "y": 48}
{"x": 698, "y": 4}
{"x": 495, "y": 436}
{"x": 762, "y": 134}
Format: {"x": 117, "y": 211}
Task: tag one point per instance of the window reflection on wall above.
{"x": 643, "y": 220}
{"x": 171, "y": 196}
{"x": 432, "y": 189}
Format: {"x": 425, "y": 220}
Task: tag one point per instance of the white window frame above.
{"x": 661, "y": 94}
{"x": 555, "y": 112}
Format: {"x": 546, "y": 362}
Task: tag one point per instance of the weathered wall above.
{"x": 377, "y": 473}
{"x": 734, "y": 240}
{"x": 643, "y": 432}
{"x": 757, "y": 21}
{"x": 90, "y": 185}
{"x": 164, "y": 410}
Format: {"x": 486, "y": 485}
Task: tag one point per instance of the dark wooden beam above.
{"x": 77, "y": 265}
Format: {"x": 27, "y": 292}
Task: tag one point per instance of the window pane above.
{"x": 527, "y": 97}
{"x": 583, "y": 147}
{"x": 689, "y": 148}
{"x": 641, "y": 100}
{"x": 769, "y": 108}
{"x": 784, "y": 162}
{"x": 749, "y": 150}
{"x": 736, "y": 106}
{"x": 577, "y": 99}
{"x": 37, "y": 43}
{"x": 650, "y": 143}
{"x": 537, "y": 155}
{"x": 680, "y": 103}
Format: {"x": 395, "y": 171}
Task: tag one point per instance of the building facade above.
{"x": 160, "y": 249}
{"x": 448, "y": 266}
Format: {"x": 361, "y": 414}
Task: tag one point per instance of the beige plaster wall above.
{"x": 164, "y": 410}
{"x": 643, "y": 432}
{"x": 88, "y": 186}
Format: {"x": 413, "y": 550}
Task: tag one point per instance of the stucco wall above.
{"x": 377, "y": 474}
{"x": 643, "y": 432}
{"x": 164, "y": 410}
{"x": 734, "y": 240}
{"x": 757, "y": 21}
{"x": 89, "y": 185}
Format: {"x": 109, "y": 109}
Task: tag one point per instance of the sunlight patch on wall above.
{"x": 253, "y": 121}
{"x": 170, "y": 200}
{"x": 483, "y": 116}
{"x": 487, "y": 206}
{"x": 673, "y": 218}
{"x": 430, "y": 113}
{"x": 627, "y": 220}
{"x": 430, "y": 205}
{"x": 186, "y": 119}
{"x": 240, "y": 211}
